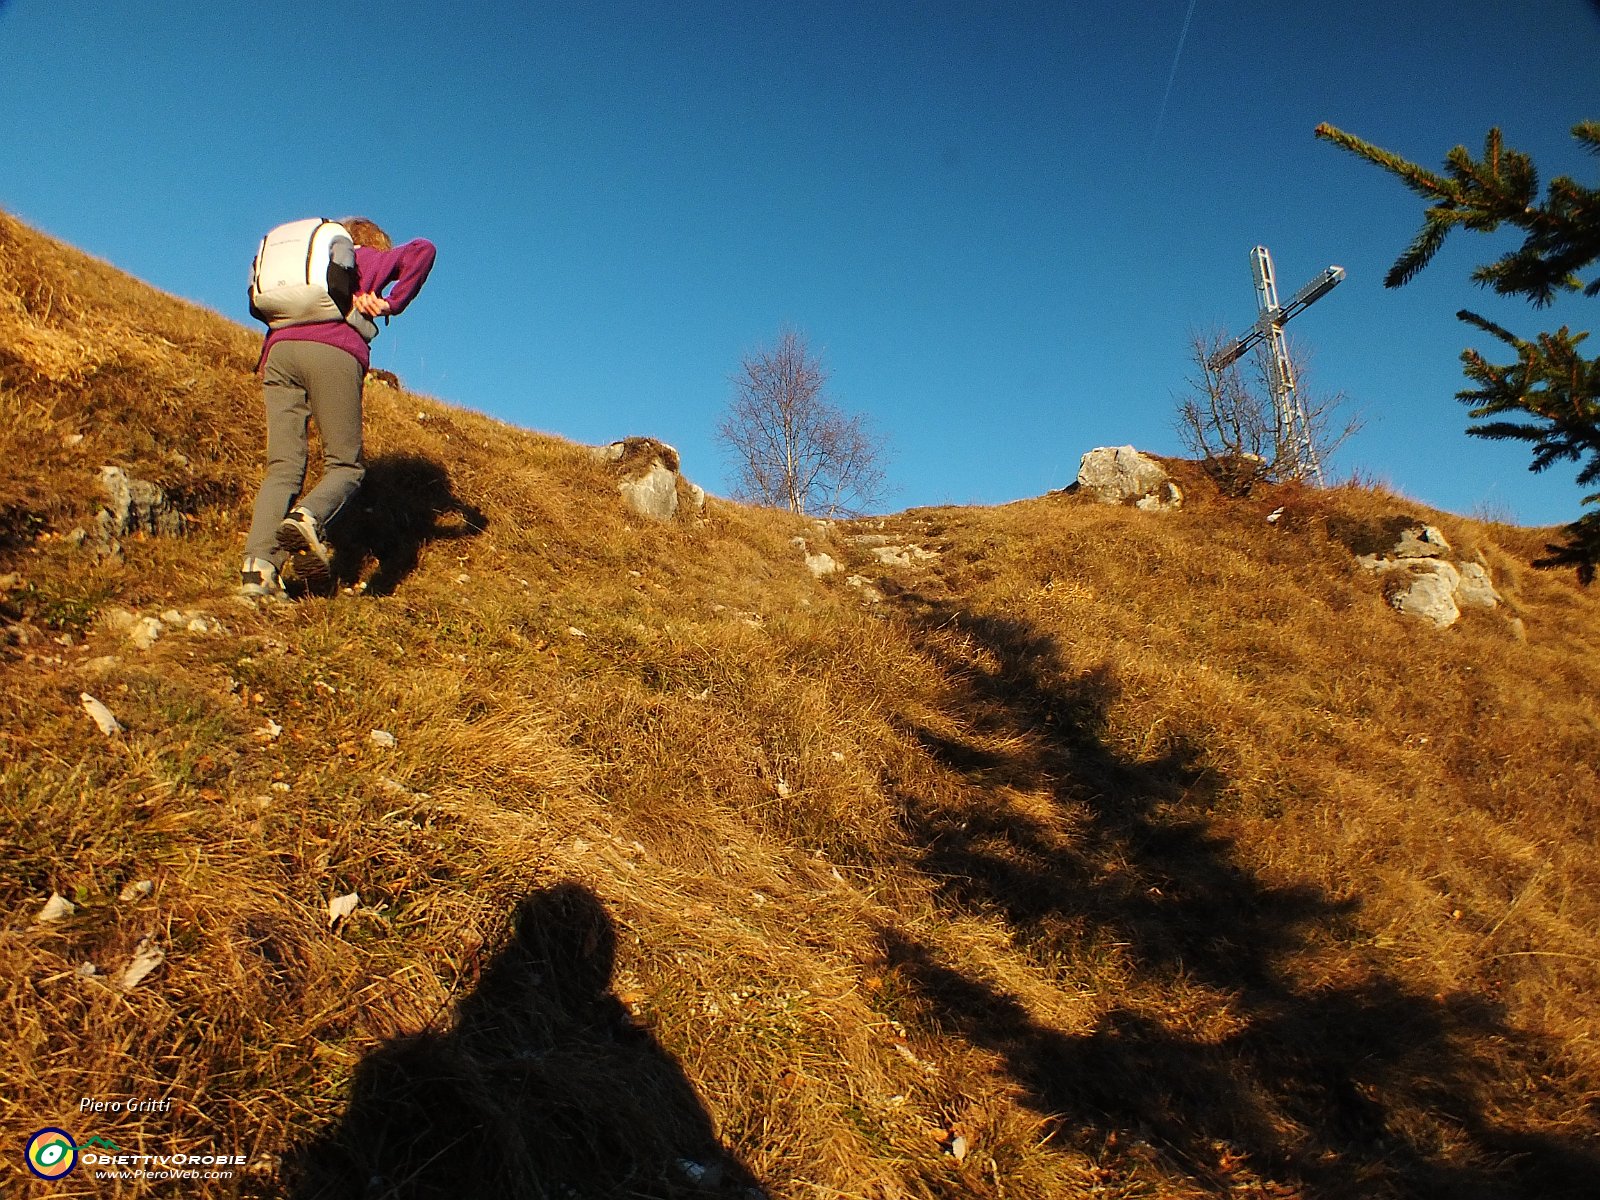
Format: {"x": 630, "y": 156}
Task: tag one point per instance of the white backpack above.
{"x": 305, "y": 272}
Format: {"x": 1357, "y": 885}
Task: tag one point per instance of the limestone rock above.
{"x": 868, "y": 593}
{"x": 1421, "y": 541}
{"x": 1429, "y": 596}
{"x": 818, "y": 564}
{"x": 890, "y": 551}
{"x": 134, "y": 506}
{"x": 1424, "y": 582}
{"x": 1476, "y": 589}
{"x": 1166, "y": 498}
{"x": 901, "y": 556}
{"x": 144, "y": 632}
{"x": 653, "y": 494}
{"x": 649, "y": 478}
{"x": 1123, "y": 475}
{"x": 120, "y": 620}
{"x": 1376, "y": 563}
{"x": 1443, "y": 568}
{"x": 821, "y": 564}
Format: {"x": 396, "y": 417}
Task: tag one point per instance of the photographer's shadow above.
{"x": 405, "y": 502}
{"x": 545, "y": 1086}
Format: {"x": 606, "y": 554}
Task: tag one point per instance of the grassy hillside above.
{"x": 1107, "y": 854}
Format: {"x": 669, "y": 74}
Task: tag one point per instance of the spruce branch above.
{"x": 1550, "y": 385}
{"x": 1549, "y": 381}
{"x": 1500, "y": 188}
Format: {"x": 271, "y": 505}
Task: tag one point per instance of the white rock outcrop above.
{"x": 1421, "y": 541}
{"x": 1422, "y": 582}
{"x": 901, "y": 556}
{"x": 1476, "y": 588}
{"x": 818, "y": 564}
{"x": 889, "y": 551}
{"x": 652, "y": 494}
{"x": 1165, "y": 498}
{"x": 1123, "y": 475}
{"x": 649, "y": 478}
{"x": 1430, "y": 595}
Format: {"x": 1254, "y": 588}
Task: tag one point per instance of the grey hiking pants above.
{"x": 304, "y": 380}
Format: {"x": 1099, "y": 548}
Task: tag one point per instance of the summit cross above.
{"x": 1292, "y": 431}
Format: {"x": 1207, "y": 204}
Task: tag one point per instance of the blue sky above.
{"x": 979, "y": 214}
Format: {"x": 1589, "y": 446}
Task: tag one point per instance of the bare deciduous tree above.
{"x": 794, "y": 448}
{"x": 1230, "y": 423}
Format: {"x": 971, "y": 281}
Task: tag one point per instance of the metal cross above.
{"x": 1292, "y": 431}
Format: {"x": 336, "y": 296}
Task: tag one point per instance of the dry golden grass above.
{"x": 1124, "y": 855}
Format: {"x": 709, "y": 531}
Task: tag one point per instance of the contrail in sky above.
{"x": 1172, "y": 74}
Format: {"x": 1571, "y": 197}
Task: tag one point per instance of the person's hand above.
{"x": 370, "y": 304}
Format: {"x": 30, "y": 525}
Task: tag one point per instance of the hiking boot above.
{"x": 259, "y": 578}
{"x": 312, "y": 557}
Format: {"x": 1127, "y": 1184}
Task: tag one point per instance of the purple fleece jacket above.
{"x": 405, "y": 266}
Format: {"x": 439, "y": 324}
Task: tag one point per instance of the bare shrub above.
{"x": 1229, "y": 421}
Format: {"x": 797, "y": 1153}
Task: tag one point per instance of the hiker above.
{"x": 312, "y": 366}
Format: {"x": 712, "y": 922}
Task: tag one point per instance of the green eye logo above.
{"x": 52, "y": 1153}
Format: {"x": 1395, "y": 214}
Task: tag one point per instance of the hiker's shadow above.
{"x": 545, "y": 1086}
{"x": 405, "y": 502}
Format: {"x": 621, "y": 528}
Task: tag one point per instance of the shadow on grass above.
{"x": 405, "y": 502}
{"x": 544, "y": 1087}
{"x": 1225, "y": 1060}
